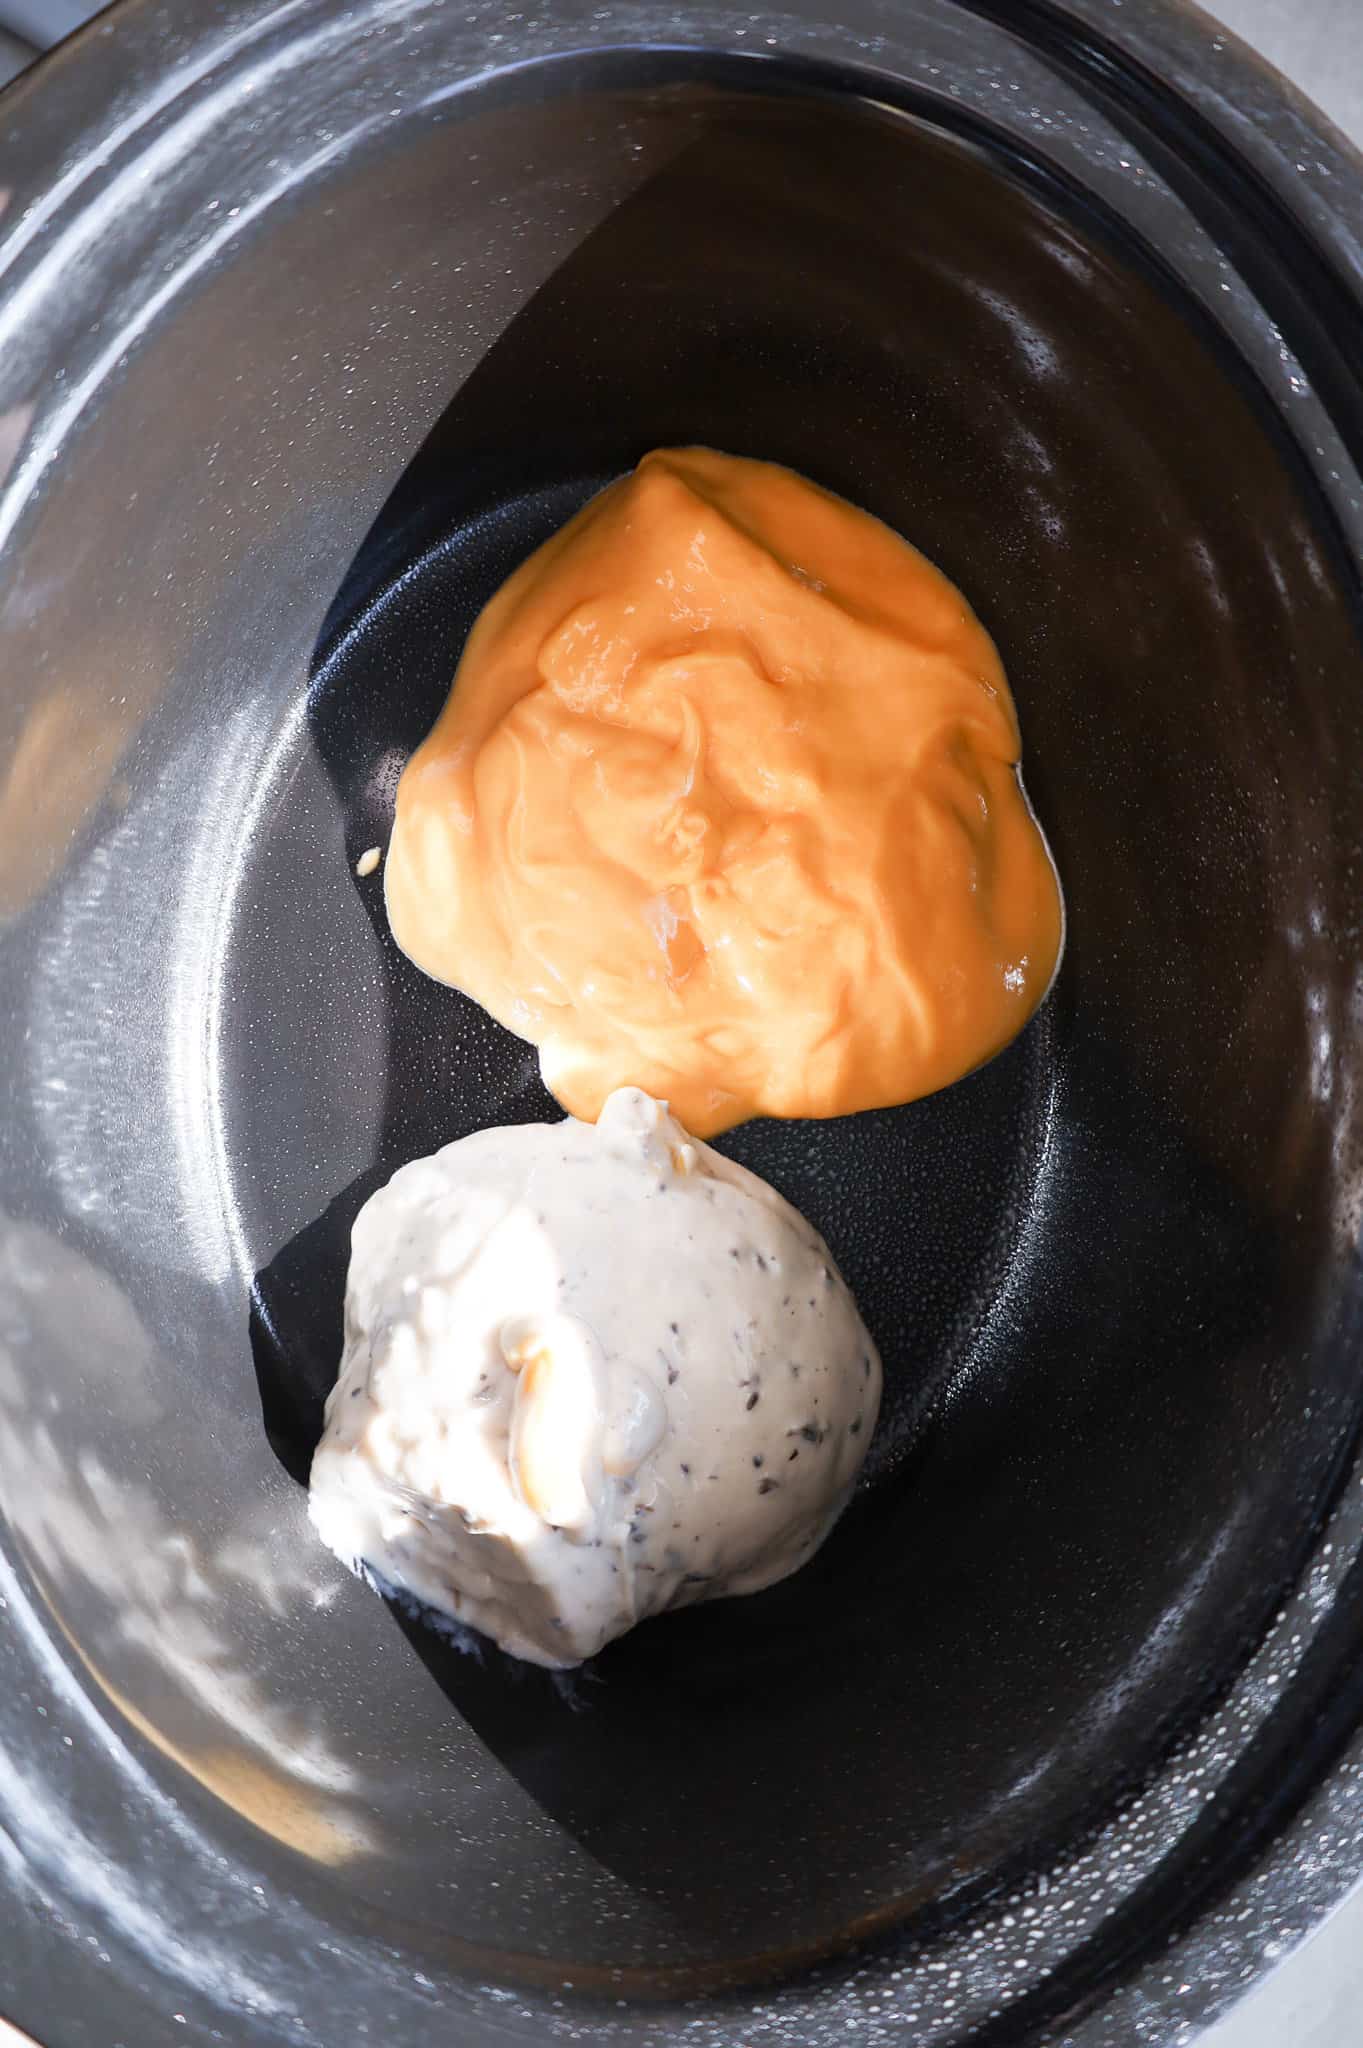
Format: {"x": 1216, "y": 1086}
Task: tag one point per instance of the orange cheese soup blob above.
{"x": 724, "y": 805}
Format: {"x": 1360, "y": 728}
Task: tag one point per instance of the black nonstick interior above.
{"x": 1099, "y": 1297}
{"x": 1113, "y": 1275}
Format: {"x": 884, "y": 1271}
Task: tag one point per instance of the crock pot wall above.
{"x": 1146, "y": 1417}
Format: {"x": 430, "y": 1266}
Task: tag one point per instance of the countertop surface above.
{"x": 1318, "y": 44}
{"x": 1314, "y": 1998}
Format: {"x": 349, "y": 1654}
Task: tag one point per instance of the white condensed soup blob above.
{"x": 590, "y": 1372}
